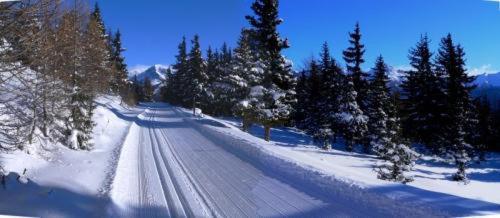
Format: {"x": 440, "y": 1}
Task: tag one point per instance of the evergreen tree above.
{"x": 148, "y": 90}
{"x": 332, "y": 79}
{"x": 119, "y": 82}
{"x": 138, "y": 89}
{"x": 353, "y": 56}
{"x": 300, "y": 108}
{"x": 212, "y": 62}
{"x": 196, "y": 77}
{"x": 451, "y": 63}
{"x": 176, "y": 85}
{"x": 277, "y": 91}
{"x": 423, "y": 94}
{"x": 485, "y": 129}
{"x": 351, "y": 117}
{"x": 313, "y": 119}
{"x": 379, "y": 108}
{"x": 223, "y": 86}
{"x": 397, "y": 156}
{"x": 247, "y": 74}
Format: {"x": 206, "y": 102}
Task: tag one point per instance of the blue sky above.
{"x": 152, "y": 29}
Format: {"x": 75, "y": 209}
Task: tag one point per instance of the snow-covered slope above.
{"x": 488, "y": 79}
{"x": 432, "y": 187}
{"x": 155, "y": 73}
{"x": 60, "y": 182}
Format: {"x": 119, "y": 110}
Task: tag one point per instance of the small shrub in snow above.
{"x": 400, "y": 159}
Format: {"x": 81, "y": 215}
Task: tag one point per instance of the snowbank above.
{"x": 62, "y": 182}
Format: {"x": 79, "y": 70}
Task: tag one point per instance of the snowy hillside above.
{"x": 155, "y": 73}
{"x": 488, "y": 80}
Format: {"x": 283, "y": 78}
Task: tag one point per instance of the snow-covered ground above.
{"x": 432, "y": 186}
{"x": 62, "y": 182}
{"x": 159, "y": 161}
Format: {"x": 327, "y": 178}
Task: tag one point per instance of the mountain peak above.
{"x": 156, "y": 73}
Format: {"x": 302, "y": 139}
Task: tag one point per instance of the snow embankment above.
{"x": 294, "y": 152}
{"x": 60, "y": 182}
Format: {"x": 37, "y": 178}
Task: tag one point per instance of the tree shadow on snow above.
{"x": 454, "y": 205}
{"x": 34, "y": 200}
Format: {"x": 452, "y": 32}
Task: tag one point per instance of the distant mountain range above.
{"x": 488, "y": 79}
{"x": 488, "y": 84}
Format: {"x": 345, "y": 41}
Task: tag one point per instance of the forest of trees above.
{"x": 432, "y": 111}
{"x": 55, "y": 59}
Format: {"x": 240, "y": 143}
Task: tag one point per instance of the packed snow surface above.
{"x": 156, "y": 160}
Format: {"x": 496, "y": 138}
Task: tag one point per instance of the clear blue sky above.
{"x": 153, "y": 28}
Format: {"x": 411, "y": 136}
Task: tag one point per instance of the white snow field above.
{"x": 174, "y": 165}
{"x": 156, "y": 160}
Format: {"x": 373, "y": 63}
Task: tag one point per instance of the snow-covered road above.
{"x": 170, "y": 167}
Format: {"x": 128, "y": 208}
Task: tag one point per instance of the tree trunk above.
{"x": 245, "y": 124}
{"x": 267, "y": 133}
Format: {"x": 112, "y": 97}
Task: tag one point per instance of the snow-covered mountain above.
{"x": 155, "y": 73}
{"x": 492, "y": 79}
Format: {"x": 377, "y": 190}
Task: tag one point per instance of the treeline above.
{"x": 55, "y": 59}
{"x": 255, "y": 81}
{"x": 433, "y": 107}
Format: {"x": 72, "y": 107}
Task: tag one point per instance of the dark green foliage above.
{"x": 353, "y": 56}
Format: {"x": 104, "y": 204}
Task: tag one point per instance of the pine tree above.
{"x": 485, "y": 130}
{"x": 196, "y": 77}
{"x": 397, "y": 156}
{"x": 148, "y": 90}
{"x": 247, "y": 74}
{"x": 379, "y": 108}
{"x": 119, "y": 82}
{"x": 277, "y": 91}
{"x": 332, "y": 79}
{"x": 351, "y": 117}
{"x": 176, "y": 85}
{"x": 423, "y": 94}
{"x": 222, "y": 87}
{"x": 300, "y": 107}
{"x": 451, "y": 63}
{"x": 353, "y": 56}
{"x": 313, "y": 118}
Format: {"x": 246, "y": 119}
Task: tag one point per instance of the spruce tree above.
{"x": 451, "y": 63}
{"x": 398, "y": 158}
{"x": 148, "y": 90}
{"x": 423, "y": 94}
{"x": 247, "y": 74}
{"x": 177, "y": 84}
{"x": 353, "y": 56}
{"x": 277, "y": 91}
{"x": 351, "y": 117}
{"x": 313, "y": 118}
{"x": 379, "y": 108}
{"x": 119, "y": 82}
{"x": 300, "y": 107}
{"x": 196, "y": 77}
{"x": 485, "y": 130}
{"x": 332, "y": 79}
{"x": 212, "y": 62}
